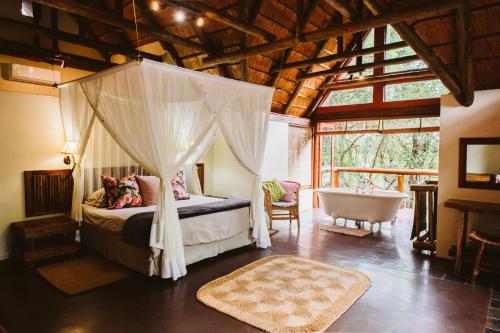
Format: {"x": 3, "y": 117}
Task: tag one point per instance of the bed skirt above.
{"x": 110, "y": 245}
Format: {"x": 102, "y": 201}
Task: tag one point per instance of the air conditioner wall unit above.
{"x": 30, "y": 74}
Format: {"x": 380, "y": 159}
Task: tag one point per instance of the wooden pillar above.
{"x": 332, "y": 161}
{"x": 401, "y": 183}
{"x": 336, "y": 178}
{"x": 316, "y": 165}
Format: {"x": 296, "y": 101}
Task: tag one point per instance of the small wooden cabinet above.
{"x": 44, "y": 238}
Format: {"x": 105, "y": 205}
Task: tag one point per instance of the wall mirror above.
{"x": 479, "y": 165}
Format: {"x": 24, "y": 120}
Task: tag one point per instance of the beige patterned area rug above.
{"x": 286, "y": 294}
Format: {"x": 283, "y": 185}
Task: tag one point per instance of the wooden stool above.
{"x": 483, "y": 241}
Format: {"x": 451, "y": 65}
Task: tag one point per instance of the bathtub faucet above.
{"x": 365, "y": 186}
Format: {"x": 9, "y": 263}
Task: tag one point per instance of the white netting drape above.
{"x": 164, "y": 118}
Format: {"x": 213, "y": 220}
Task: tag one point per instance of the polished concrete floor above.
{"x": 410, "y": 292}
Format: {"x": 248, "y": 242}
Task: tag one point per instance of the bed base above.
{"x": 110, "y": 245}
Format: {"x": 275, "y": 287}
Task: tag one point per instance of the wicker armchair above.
{"x": 282, "y": 210}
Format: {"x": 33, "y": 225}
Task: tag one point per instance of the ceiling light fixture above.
{"x": 200, "y": 21}
{"x": 180, "y": 16}
{"x": 155, "y": 6}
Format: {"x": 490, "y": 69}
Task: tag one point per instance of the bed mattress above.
{"x": 195, "y": 230}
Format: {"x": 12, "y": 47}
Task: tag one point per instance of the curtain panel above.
{"x": 164, "y": 118}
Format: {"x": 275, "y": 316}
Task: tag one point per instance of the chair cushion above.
{"x": 276, "y": 190}
{"x": 290, "y": 188}
{"x": 284, "y": 204}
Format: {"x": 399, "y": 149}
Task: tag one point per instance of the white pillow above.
{"x": 97, "y": 198}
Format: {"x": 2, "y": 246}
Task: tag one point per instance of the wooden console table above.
{"x": 465, "y": 207}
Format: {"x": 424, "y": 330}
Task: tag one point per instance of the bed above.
{"x": 204, "y": 236}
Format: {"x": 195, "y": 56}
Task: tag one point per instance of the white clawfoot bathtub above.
{"x": 376, "y": 207}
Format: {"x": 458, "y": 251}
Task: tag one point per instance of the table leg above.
{"x": 461, "y": 240}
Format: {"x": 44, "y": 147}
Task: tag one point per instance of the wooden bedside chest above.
{"x": 44, "y": 238}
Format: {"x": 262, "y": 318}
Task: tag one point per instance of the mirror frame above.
{"x": 464, "y": 142}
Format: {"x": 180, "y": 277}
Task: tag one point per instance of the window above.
{"x": 392, "y": 37}
{"x": 349, "y": 97}
{"x": 414, "y": 90}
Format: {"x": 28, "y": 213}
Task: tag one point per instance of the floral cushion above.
{"x": 179, "y": 186}
{"x": 121, "y": 193}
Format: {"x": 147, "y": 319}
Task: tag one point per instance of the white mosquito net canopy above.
{"x": 162, "y": 118}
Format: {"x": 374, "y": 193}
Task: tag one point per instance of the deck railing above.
{"x": 399, "y": 172}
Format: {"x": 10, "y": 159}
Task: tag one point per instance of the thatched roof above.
{"x": 232, "y": 27}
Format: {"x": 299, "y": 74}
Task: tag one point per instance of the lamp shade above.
{"x": 70, "y": 148}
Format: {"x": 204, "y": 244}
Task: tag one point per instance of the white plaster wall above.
{"x": 225, "y": 176}
{"x": 31, "y": 138}
{"x": 482, "y": 119}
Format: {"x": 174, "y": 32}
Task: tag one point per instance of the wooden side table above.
{"x": 44, "y": 238}
{"x": 465, "y": 207}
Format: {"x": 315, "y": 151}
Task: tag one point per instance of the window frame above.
{"x": 379, "y": 107}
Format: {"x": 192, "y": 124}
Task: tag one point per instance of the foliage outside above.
{"x": 387, "y": 151}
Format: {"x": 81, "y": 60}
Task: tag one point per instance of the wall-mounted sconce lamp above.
{"x": 69, "y": 150}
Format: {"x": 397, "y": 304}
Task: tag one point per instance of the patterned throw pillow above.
{"x": 121, "y": 193}
{"x": 179, "y": 186}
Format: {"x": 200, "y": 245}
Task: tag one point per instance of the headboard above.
{"x": 93, "y": 175}
{"x": 47, "y": 191}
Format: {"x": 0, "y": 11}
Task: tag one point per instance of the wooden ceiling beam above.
{"x": 360, "y": 68}
{"x": 392, "y": 77}
{"x": 76, "y": 39}
{"x": 425, "y": 53}
{"x": 353, "y": 45}
{"x": 342, "y": 6}
{"x": 288, "y": 52}
{"x": 340, "y": 56}
{"x": 464, "y": 54}
{"x": 110, "y": 18}
{"x": 412, "y": 13}
{"x": 220, "y": 16}
{"x": 152, "y": 21}
{"x": 35, "y": 53}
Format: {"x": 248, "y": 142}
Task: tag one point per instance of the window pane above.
{"x": 414, "y": 90}
{"x": 393, "y": 37}
{"x": 326, "y": 160}
{"x": 350, "y": 97}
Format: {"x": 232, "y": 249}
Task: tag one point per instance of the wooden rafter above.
{"x": 152, "y": 21}
{"x": 288, "y": 52}
{"x": 434, "y": 63}
{"x": 220, "y": 16}
{"x": 391, "y": 77}
{"x": 464, "y": 54}
{"x": 76, "y": 39}
{"x": 342, "y": 6}
{"x": 412, "y": 13}
{"x": 47, "y": 55}
{"x": 360, "y": 68}
{"x": 340, "y": 56}
{"x": 319, "y": 97}
{"x": 111, "y": 19}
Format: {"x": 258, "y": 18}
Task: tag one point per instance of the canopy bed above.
{"x": 153, "y": 118}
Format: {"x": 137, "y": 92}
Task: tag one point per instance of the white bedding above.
{"x": 195, "y": 230}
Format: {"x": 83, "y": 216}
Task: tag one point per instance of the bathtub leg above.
{"x": 393, "y": 221}
{"x": 371, "y": 226}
